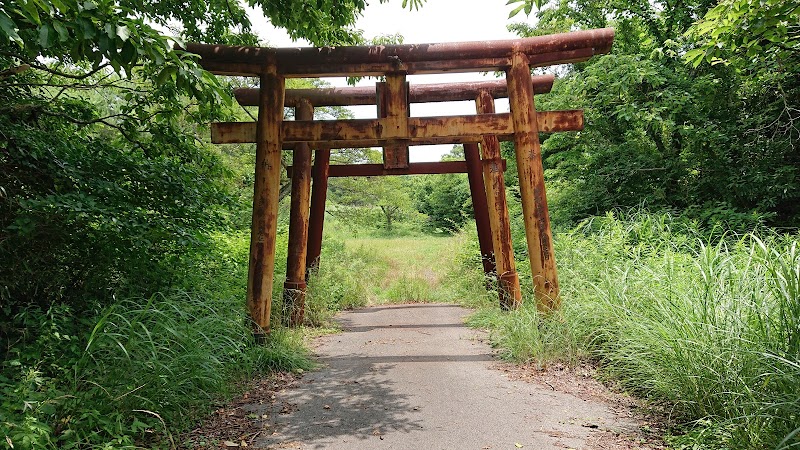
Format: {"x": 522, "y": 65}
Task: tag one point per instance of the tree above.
{"x": 762, "y": 32}
{"x": 102, "y": 176}
{"x": 445, "y": 198}
{"x": 104, "y": 183}
{"x": 715, "y": 142}
{"x": 362, "y": 202}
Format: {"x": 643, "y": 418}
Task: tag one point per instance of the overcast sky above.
{"x": 436, "y": 21}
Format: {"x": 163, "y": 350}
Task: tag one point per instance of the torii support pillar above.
{"x": 265, "y": 200}
{"x": 316, "y": 221}
{"x": 480, "y": 209}
{"x": 294, "y": 288}
{"x": 531, "y": 183}
{"x": 507, "y": 278}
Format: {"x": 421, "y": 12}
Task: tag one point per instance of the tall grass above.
{"x": 356, "y": 271}
{"x": 142, "y": 369}
{"x": 342, "y": 281}
{"x": 709, "y": 331}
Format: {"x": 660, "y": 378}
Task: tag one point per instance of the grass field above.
{"x": 413, "y": 268}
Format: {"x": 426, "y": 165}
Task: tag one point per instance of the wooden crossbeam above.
{"x": 376, "y": 170}
{"x": 409, "y": 58}
{"x": 421, "y": 130}
{"x": 418, "y": 93}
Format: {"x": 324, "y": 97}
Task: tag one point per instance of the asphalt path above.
{"x": 414, "y": 377}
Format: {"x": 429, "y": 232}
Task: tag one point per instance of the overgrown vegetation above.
{"x": 695, "y": 110}
{"x": 704, "y": 326}
{"x": 124, "y": 242}
{"x": 135, "y": 371}
{"x": 707, "y": 329}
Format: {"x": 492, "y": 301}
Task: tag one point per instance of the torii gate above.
{"x": 394, "y": 130}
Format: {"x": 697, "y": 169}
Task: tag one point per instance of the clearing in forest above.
{"x": 412, "y": 269}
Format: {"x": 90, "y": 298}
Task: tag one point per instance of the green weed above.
{"x": 142, "y": 369}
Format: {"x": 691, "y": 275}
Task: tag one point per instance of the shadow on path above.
{"x": 412, "y": 376}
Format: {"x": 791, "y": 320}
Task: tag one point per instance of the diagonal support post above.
{"x": 316, "y": 221}
{"x": 480, "y": 209}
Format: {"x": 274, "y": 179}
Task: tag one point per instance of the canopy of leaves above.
{"x": 101, "y": 168}
{"x": 755, "y": 32}
{"x": 716, "y": 141}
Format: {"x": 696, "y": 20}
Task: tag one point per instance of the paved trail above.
{"x": 414, "y": 377}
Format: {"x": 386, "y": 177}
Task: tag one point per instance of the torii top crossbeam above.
{"x": 409, "y": 58}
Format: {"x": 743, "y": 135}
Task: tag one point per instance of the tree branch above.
{"x": 84, "y": 76}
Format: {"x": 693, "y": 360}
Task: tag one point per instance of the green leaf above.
{"x": 45, "y": 6}
{"x": 165, "y": 74}
{"x": 60, "y": 5}
{"x": 694, "y": 56}
{"x": 31, "y": 12}
{"x": 9, "y": 28}
{"x": 63, "y": 33}
{"x": 46, "y": 35}
{"x": 516, "y": 10}
{"x": 103, "y": 44}
{"x": 123, "y": 32}
{"x": 128, "y": 53}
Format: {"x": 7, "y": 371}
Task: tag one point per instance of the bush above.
{"x": 141, "y": 369}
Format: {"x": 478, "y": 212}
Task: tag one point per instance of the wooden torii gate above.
{"x": 395, "y": 130}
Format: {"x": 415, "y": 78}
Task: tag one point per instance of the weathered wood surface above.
{"x": 395, "y": 130}
{"x": 319, "y": 194}
{"x": 531, "y": 183}
{"x": 265, "y": 200}
{"x": 480, "y": 208}
{"x": 294, "y": 289}
{"x": 376, "y": 170}
{"x": 421, "y": 130}
{"x": 418, "y": 93}
{"x": 410, "y": 59}
{"x": 393, "y": 108}
{"x": 499, "y": 220}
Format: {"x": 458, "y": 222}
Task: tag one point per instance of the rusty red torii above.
{"x": 394, "y": 130}
{"x": 423, "y": 93}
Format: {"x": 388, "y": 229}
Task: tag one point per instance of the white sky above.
{"x": 436, "y": 21}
